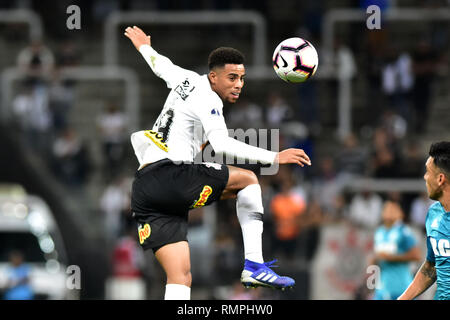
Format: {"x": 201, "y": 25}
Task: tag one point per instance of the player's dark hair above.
{"x": 440, "y": 152}
{"x": 224, "y": 55}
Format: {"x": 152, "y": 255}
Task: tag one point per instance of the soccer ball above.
{"x": 295, "y": 60}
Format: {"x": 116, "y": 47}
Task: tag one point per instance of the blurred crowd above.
{"x": 298, "y": 202}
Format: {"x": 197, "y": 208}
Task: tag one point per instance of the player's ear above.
{"x": 442, "y": 178}
{"x": 212, "y": 76}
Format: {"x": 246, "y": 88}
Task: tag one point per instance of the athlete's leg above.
{"x": 175, "y": 261}
{"x": 243, "y": 185}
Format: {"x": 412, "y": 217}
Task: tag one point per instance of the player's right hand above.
{"x": 137, "y": 36}
{"x": 293, "y": 155}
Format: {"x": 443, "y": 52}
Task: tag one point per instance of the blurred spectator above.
{"x": 325, "y": 189}
{"x": 312, "y": 220}
{"x": 115, "y": 206}
{"x": 61, "y": 100}
{"x": 412, "y": 161}
{"x": 36, "y": 60}
{"x": 68, "y": 55}
{"x": 351, "y": 159}
{"x": 287, "y": 207}
{"x": 128, "y": 257}
{"x": 419, "y": 209}
{"x": 22, "y": 105}
{"x": 268, "y": 190}
{"x": 365, "y": 209}
{"x": 382, "y": 139}
{"x": 245, "y": 114}
{"x": 397, "y": 81}
{"x": 278, "y": 111}
{"x": 227, "y": 258}
{"x": 70, "y": 158}
{"x": 295, "y": 134}
{"x": 385, "y": 164}
{"x": 439, "y": 33}
{"x": 126, "y": 282}
{"x": 32, "y": 110}
{"x": 18, "y": 278}
{"x": 385, "y": 158}
{"x": 112, "y": 124}
{"x": 424, "y": 68}
{"x": 395, "y": 247}
{"x": 308, "y": 106}
{"x": 394, "y": 124}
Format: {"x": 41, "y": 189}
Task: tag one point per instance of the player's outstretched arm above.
{"x": 160, "y": 65}
{"x": 424, "y": 278}
{"x": 221, "y": 143}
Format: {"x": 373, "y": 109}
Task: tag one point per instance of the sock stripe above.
{"x": 256, "y": 216}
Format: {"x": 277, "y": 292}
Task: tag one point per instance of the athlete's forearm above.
{"x": 423, "y": 279}
{"x": 159, "y": 64}
{"x": 222, "y": 143}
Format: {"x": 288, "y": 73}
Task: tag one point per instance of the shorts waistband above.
{"x": 152, "y": 166}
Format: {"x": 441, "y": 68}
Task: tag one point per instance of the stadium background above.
{"x": 72, "y": 147}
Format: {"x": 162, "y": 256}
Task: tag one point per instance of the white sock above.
{"x": 177, "y": 292}
{"x": 249, "y": 211}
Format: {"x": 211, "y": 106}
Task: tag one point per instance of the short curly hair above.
{"x": 224, "y": 55}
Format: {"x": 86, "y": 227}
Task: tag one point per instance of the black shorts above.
{"x": 163, "y": 193}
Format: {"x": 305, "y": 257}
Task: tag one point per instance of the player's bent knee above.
{"x": 251, "y": 177}
{"x": 184, "y": 278}
{"x": 240, "y": 178}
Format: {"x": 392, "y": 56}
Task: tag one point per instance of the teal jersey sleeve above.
{"x": 430, "y": 252}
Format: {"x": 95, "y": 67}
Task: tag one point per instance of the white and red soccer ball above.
{"x": 295, "y": 60}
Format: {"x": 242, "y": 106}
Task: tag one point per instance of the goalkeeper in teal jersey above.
{"x": 437, "y": 264}
{"x": 395, "y": 248}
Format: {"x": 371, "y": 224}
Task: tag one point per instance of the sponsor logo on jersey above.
{"x": 157, "y": 139}
{"x": 144, "y": 232}
{"x": 204, "y": 195}
{"x": 441, "y": 247}
{"x": 184, "y": 89}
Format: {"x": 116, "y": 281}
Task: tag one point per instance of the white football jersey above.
{"x": 192, "y": 115}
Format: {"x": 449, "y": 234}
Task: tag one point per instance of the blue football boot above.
{"x": 259, "y": 274}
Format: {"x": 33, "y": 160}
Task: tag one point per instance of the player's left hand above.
{"x": 137, "y": 36}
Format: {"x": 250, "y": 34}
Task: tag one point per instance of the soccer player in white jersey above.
{"x": 169, "y": 183}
